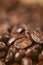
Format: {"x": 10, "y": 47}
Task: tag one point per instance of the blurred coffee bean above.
{"x": 9, "y": 57}
{"x": 22, "y": 43}
{"x": 19, "y": 55}
{"x": 2, "y": 54}
{"x": 27, "y": 33}
{"x": 37, "y": 36}
{"x": 32, "y": 53}
{"x": 11, "y": 41}
{"x": 2, "y": 46}
{"x": 2, "y": 63}
{"x": 37, "y": 47}
{"x": 14, "y": 63}
{"x": 4, "y": 37}
{"x": 40, "y": 57}
{"x": 11, "y": 51}
{"x": 26, "y": 61}
{"x": 20, "y": 30}
{"x": 40, "y": 63}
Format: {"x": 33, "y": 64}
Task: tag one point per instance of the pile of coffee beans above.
{"x": 20, "y": 45}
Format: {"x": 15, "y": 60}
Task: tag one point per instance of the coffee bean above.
{"x": 40, "y": 57}
{"x": 37, "y": 36}
{"x": 9, "y": 57}
{"x": 2, "y": 63}
{"x": 20, "y": 30}
{"x": 32, "y": 53}
{"x": 40, "y": 63}
{"x": 19, "y": 55}
{"x": 12, "y": 50}
{"x": 37, "y": 47}
{"x": 26, "y": 61}
{"x": 22, "y": 43}
{"x": 11, "y": 41}
{"x": 2, "y": 46}
{"x": 5, "y": 37}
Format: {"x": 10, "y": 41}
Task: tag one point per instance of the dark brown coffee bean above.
{"x": 19, "y": 55}
{"x": 2, "y": 54}
{"x": 20, "y": 30}
{"x": 14, "y": 63}
{"x": 37, "y": 36}
{"x": 26, "y": 61}
{"x": 40, "y": 57}
{"x": 12, "y": 50}
{"x": 40, "y": 63}
{"x": 22, "y": 43}
{"x": 2, "y": 63}
{"x": 37, "y": 47}
{"x": 4, "y": 37}
{"x": 9, "y": 57}
{"x": 32, "y": 53}
{"x": 2, "y": 46}
{"x": 11, "y": 41}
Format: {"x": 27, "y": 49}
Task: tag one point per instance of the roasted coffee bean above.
{"x": 14, "y": 63}
{"x": 38, "y": 47}
{"x": 37, "y": 36}
{"x": 22, "y": 43}
{"x": 26, "y": 61}
{"x": 40, "y": 63}
{"x": 2, "y": 63}
{"x": 9, "y": 57}
{"x": 12, "y": 50}
{"x": 11, "y": 41}
{"x": 27, "y": 33}
{"x": 20, "y": 30}
{"x": 32, "y": 53}
{"x": 2, "y": 54}
{"x": 4, "y": 37}
{"x": 40, "y": 57}
{"x": 19, "y": 55}
{"x": 2, "y": 46}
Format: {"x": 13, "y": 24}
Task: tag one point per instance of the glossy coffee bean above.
{"x": 19, "y": 55}
{"x": 40, "y": 63}
{"x": 14, "y": 63}
{"x": 22, "y": 43}
{"x": 2, "y": 46}
{"x": 37, "y": 36}
{"x": 20, "y": 30}
{"x": 12, "y": 50}
{"x": 2, "y": 63}
{"x": 2, "y": 54}
{"x": 9, "y": 57}
{"x": 26, "y": 61}
{"x": 40, "y": 57}
{"x": 32, "y": 53}
{"x": 11, "y": 41}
